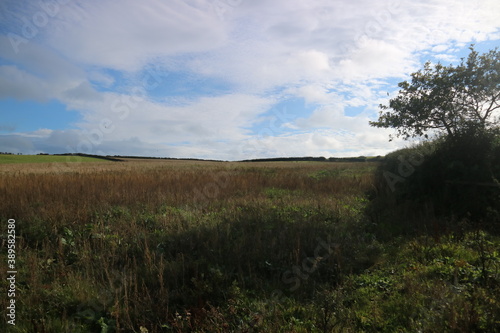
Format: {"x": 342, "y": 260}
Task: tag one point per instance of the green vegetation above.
{"x": 443, "y": 197}
{"x": 447, "y": 99}
{"x": 236, "y": 247}
{"x": 7, "y": 159}
{"x": 453, "y": 179}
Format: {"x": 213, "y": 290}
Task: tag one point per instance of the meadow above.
{"x": 8, "y": 159}
{"x": 193, "y": 246}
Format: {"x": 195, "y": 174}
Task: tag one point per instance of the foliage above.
{"x": 428, "y": 286}
{"x": 447, "y": 98}
{"x": 454, "y": 179}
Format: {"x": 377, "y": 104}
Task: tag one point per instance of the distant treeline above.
{"x": 120, "y": 158}
{"x": 108, "y": 158}
{"x": 164, "y": 158}
{"x": 319, "y": 159}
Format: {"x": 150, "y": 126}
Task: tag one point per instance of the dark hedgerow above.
{"x": 452, "y": 178}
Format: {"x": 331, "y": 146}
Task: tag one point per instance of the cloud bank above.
{"x": 209, "y": 78}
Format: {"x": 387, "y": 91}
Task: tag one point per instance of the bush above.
{"x": 449, "y": 179}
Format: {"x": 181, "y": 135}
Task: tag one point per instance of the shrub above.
{"x": 449, "y": 179}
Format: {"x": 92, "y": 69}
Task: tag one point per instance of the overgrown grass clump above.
{"x": 235, "y": 247}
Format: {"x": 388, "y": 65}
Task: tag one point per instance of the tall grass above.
{"x": 178, "y": 246}
{"x": 134, "y": 245}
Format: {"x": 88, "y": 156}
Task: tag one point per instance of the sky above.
{"x": 220, "y": 79}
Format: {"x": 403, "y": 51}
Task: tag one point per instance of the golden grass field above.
{"x": 195, "y": 246}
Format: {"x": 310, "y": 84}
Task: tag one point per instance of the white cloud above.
{"x": 313, "y": 93}
{"x": 208, "y": 119}
{"x": 334, "y": 54}
{"x": 16, "y": 144}
{"x": 446, "y": 58}
{"x": 327, "y": 143}
{"x": 126, "y": 35}
{"x": 101, "y": 78}
{"x": 39, "y": 59}
{"x": 18, "y": 84}
{"x": 375, "y": 59}
{"x": 311, "y": 62}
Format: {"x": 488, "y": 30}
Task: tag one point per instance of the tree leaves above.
{"x": 446, "y": 98}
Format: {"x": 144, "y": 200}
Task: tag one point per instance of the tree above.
{"x": 447, "y": 98}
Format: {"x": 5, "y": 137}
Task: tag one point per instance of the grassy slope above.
{"x": 204, "y": 247}
{"x": 7, "y": 159}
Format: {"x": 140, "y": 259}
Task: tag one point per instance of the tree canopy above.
{"x": 447, "y": 98}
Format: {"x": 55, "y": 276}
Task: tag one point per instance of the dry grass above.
{"x": 134, "y": 242}
{"x": 191, "y": 246}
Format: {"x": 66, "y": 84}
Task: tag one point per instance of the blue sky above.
{"x": 219, "y": 79}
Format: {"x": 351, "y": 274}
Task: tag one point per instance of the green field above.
{"x": 191, "y": 246}
{"x": 8, "y": 159}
